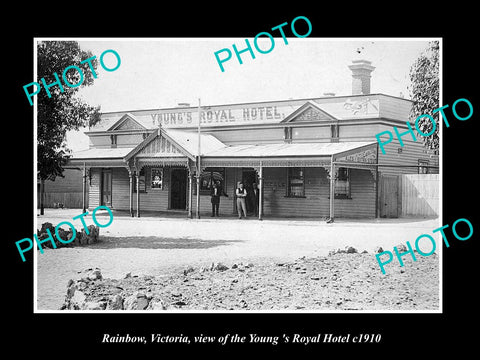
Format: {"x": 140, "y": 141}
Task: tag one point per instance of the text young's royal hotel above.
{"x": 313, "y": 157}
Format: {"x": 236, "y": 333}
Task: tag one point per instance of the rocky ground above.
{"x": 343, "y": 280}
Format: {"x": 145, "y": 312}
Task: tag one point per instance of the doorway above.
{"x": 106, "y": 196}
{"x": 249, "y": 176}
{"x": 388, "y": 196}
{"x": 178, "y": 189}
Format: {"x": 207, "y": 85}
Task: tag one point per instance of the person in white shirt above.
{"x": 241, "y": 194}
{"x": 215, "y": 194}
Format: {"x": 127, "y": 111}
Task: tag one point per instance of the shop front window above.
{"x": 342, "y": 184}
{"x": 209, "y": 177}
{"x": 296, "y": 182}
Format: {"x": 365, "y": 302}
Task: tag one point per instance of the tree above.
{"x": 425, "y": 93}
{"x": 63, "y": 111}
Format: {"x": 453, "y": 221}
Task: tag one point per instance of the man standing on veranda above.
{"x": 241, "y": 194}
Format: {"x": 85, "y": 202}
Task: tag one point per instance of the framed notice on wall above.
{"x": 157, "y": 178}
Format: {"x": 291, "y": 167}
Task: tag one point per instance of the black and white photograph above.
{"x": 276, "y": 184}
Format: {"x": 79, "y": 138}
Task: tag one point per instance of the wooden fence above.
{"x": 70, "y": 200}
{"x": 419, "y": 195}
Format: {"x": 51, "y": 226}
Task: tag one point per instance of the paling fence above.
{"x": 409, "y": 195}
{"x": 419, "y": 194}
{"x": 70, "y": 200}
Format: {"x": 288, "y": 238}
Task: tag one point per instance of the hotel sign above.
{"x": 214, "y": 116}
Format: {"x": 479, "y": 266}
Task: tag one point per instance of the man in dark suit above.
{"x": 215, "y": 194}
{"x": 255, "y": 197}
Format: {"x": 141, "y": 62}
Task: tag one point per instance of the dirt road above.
{"x": 158, "y": 246}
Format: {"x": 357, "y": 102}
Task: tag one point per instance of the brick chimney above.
{"x": 361, "y": 70}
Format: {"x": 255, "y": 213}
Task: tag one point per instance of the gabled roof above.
{"x": 186, "y": 142}
{"x": 189, "y": 141}
{"x": 310, "y": 111}
{"x": 127, "y": 122}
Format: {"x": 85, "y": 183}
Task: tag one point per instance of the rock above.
{"x": 234, "y": 266}
{"x": 62, "y": 234}
{"x": 188, "y": 270}
{"x": 364, "y": 252}
{"x": 378, "y": 250}
{"x": 179, "y": 303}
{"x": 94, "y": 305}
{"x": 93, "y": 232}
{"x": 401, "y": 248}
{"x": 94, "y": 275}
{"x": 218, "y": 267}
{"x": 350, "y": 250}
{"x": 44, "y": 228}
{"x": 249, "y": 265}
{"x": 130, "y": 302}
{"x": 71, "y": 288}
{"x": 128, "y": 275}
{"x": 142, "y": 301}
{"x": 81, "y": 285}
{"x": 115, "y": 302}
{"x": 138, "y": 301}
{"x": 156, "y": 304}
{"x": 82, "y": 237}
{"x": 77, "y": 300}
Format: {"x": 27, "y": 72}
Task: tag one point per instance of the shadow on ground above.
{"x": 155, "y": 242}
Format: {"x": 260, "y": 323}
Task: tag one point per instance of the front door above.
{"x": 249, "y": 176}
{"x": 106, "y": 196}
{"x": 388, "y": 196}
{"x": 178, "y": 189}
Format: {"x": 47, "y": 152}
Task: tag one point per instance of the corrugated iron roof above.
{"x": 105, "y": 153}
{"x": 189, "y": 141}
{"x": 286, "y": 149}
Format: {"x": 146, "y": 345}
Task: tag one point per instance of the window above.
{"x": 287, "y": 134}
{"x": 296, "y": 182}
{"x": 423, "y": 169}
{"x": 156, "y": 178}
{"x": 334, "y": 132}
{"x": 142, "y": 185}
{"x": 342, "y": 184}
{"x": 208, "y": 178}
{"x": 113, "y": 141}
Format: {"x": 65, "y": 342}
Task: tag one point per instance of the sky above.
{"x": 160, "y": 73}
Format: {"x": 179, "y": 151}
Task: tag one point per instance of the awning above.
{"x": 287, "y": 149}
{"x": 294, "y": 154}
{"x": 108, "y": 157}
{"x": 177, "y": 147}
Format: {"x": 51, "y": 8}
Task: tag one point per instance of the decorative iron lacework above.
{"x": 368, "y": 156}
